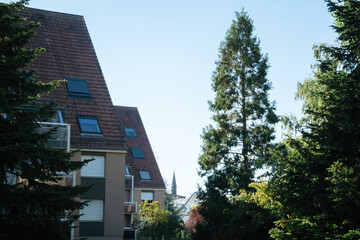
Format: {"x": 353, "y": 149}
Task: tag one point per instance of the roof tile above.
{"x": 70, "y": 53}
{"x": 129, "y": 117}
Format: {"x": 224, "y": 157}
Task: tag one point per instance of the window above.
{"x": 89, "y": 125}
{"x": 144, "y": 175}
{"x": 94, "y": 211}
{"x": 77, "y": 87}
{"x": 137, "y": 152}
{"x": 129, "y": 132}
{"x": 147, "y": 196}
{"x": 95, "y": 168}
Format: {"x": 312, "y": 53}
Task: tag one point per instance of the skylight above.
{"x": 77, "y": 87}
{"x": 89, "y": 125}
{"x": 137, "y": 152}
{"x": 144, "y": 175}
{"x": 129, "y": 132}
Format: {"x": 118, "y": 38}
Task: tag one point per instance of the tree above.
{"x": 255, "y": 212}
{"x": 194, "y": 219}
{"x": 318, "y": 178}
{"x": 244, "y": 119}
{"x": 33, "y": 205}
{"x": 155, "y": 222}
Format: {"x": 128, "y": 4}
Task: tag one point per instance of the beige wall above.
{"x": 114, "y": 195}
{"x": 159, "y": 195}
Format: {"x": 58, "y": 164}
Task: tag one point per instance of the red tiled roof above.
{"x": 129, "y": 117}
{"x": 70, "y": 53}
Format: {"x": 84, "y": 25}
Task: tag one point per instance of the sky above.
{"x": 159, "y": 56}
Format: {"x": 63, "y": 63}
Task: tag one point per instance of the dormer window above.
{"x": 129, "y": 132}
{"x": 89, "y": 125}
{"x": 137, "y": 152}
{"x": 77, "y": 87}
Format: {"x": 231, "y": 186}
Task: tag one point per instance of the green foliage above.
{"x": 262, "y": 196}
{"x": 249, "y": 215}
{"x": 170, "y": 202}
{"x": 254, "y": 212}
{"x": 244, "y": 117}
{"x": 239, "y": 142}
{"x": 34, "y": 207}
{"x": 154, "y": 222}
{"x": 318, "y": 177}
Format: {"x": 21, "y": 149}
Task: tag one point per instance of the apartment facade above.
{"x": 89, "y": 124}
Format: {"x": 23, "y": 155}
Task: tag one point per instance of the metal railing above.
{"x": 129, "y": 179}
{"x": 129, "y": 233}
{"x": 60, "y": 138}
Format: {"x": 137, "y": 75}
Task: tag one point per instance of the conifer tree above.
{"x": 244, "y": 120}
{"x": 243, "y": 114}
{"x": 318, "y": 179}
{"x": 32, "y": 204}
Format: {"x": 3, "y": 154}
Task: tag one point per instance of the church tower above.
{"x": 173, "y": 185}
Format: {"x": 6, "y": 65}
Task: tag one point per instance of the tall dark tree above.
{"x": 243, "y": 114}
{"x": 33, "y": 205}
{"x": 319, "y": 174}
{"x": 244, "y": 119}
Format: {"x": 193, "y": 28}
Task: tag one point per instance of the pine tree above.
{"x": 244, "y": 119}
{"x": 33, "y": 205}
{"x": 319, "y": 175}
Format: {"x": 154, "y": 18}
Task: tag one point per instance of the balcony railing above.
{"x": 130, "y": 207}
{"x": 129, "y": 233}
{"x": 60, "y": 138}
{"x": 129, "y": 181}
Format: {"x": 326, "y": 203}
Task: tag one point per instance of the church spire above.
{"x": 173, "y": 185}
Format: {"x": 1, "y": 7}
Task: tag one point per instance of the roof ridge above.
{"x": 117, "y": 106}
{"x": 54, "y": 12}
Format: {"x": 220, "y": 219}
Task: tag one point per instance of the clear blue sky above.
{"x": 159, "y": 56}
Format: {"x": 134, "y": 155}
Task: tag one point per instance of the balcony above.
{"x": 60, "y": 138}
{"x": 129, "y": 233}
{"x": 130, "y": 207}
{"x": 129, "y": 182}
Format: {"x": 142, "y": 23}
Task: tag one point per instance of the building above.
{"x": 185, "y": 205}
{"x": 173, "y": 185}
{"x": 140, "y": 159}
{"x": 142, "y": 171}
{"x": 143, "y": 179}
{"x": 84, "y": 105}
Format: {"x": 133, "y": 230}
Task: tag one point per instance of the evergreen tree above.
{"x": 244, "y": 119}
{"x": 33, "y": 205}
{"x": 318, "y": 179}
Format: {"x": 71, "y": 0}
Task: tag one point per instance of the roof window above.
{"x": 89, "y": 125}
{"x": 77, "y": 87}
{"x": 144, "y": 175}
{"x": 129, "y": 132}
{"x": 137, "y": 152}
